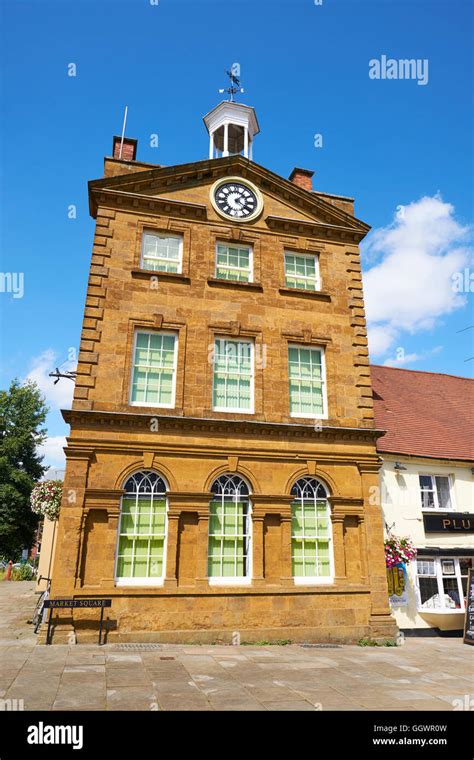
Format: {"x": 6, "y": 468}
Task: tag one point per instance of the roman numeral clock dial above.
{"x": 237, "y": 200}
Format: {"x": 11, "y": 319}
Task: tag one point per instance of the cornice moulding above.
{"x": 200, "y": 172}
{"x": 255, "y": 427}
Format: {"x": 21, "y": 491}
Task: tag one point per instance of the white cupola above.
{"x": 232, "y": 128}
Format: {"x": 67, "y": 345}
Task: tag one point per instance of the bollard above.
{"x": 8, "y": 576}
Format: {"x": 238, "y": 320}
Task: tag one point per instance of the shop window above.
{"x": 142, "y": 531}
{"x": 311, "y": 538}
{"x": 229, "y": 531}
{"x": 442, "y": 582}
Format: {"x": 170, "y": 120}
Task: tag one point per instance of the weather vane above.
{"x": 67, "y": 374}
{"x": 234, "y": 76}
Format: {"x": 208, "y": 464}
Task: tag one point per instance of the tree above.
{"x": 22, "y": 416}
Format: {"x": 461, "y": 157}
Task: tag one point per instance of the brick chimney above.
{"x": 129, "y": 148}
{"x": 302, "y": 178}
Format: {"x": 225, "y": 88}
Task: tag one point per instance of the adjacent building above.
{"x": 222, "y": 449}
{"x": 427, "y": 489}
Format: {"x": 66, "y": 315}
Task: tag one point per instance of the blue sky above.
{"x": 305, "y": 68}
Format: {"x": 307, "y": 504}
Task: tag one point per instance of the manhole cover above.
{"x": 140, "y": 647}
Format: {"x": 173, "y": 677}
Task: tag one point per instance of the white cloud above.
{"x": 52, "y": 449}
{"x": 410, "y": 285}
{"x": 402, "y": 359}
{"x": 57, "y": 396}
{"x": 381, "y": 338}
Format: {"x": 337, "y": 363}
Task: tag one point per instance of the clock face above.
{"x": 237, "y": 200}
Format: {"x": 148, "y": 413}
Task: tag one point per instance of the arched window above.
{"x": 142, "y": 531}
{"x": 229, "y": 531}
{"x": 311, "y": 533}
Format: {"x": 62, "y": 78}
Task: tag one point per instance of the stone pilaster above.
{"x": 66, "y": 572}
{"x": 382, "y": 624}
{"x": 286, "y": 573}
{"x": 257, "y": 548}
{"x": 171, "y": 580}
{"x": 339, "y": 548}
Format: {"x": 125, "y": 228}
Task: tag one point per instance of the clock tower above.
{"x": 222, "y": 461}
{"x": 232, "y": 128}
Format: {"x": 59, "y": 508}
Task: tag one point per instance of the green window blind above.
{"x": 233, "y": 375}
{"x": 142, "y": 534}
{"x": 154, "y": 369}
{"x": 310, "y": 538}
{"x": 306, "y": 381}
{"x": 228, "y": 539}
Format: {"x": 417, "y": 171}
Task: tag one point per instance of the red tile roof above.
{"x": 424, "y": 413}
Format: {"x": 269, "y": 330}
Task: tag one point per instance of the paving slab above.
{"x": 423, "y": 674}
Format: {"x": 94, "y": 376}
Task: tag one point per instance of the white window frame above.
{"x": 121, "y": 581}
{"x": 252, "y": 376}
{"x": 438, "y": 574}
{"x": 142, "y": 331}
{"x": 242, "y": 580}
{"x": 317, "y": 580}
{"x": 155, "y": 233}
{"x": 234, "y": 245}
{"x": 436, "y": 506}
{"x": 300, "y": 415}
{"x": 305, "y": 255}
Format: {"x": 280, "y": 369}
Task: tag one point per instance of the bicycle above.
{"x": 39, "y": 614}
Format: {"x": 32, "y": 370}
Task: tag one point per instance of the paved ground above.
{"x": 423, "y": 674}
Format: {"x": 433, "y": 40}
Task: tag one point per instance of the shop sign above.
{"x": 449, "y": 522}
{"x": 469, "y": 620}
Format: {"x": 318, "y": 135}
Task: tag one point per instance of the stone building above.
{"x": 222, "y": 451}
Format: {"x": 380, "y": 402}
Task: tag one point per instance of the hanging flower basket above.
{"x": 398, "y": 550}
{"x": 46, "y": 497}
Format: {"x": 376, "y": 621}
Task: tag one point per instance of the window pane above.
{"x": 442, "y": 487}
{"x": 427, "y": 492}
{"x": 426, "y": 567}
{"x": 429, "y": 595}
{"x": 305, "y": 381}
{"x": 301, "y": 271}
{"x": 451, "y": 591}
{"x": 311, "y": 531}
{"x": 154, "y": 372}
{"x": 229, "y": 527}
{"x": 161, "y": 252}
{"x": 233, "y": 262}
{"x": 142, "y": 528}
{"x": 233, "y": 380}
{"x": 448, "y": 567}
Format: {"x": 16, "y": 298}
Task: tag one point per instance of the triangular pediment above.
{"x": 185, "y": 189}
